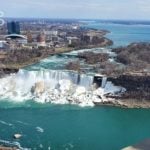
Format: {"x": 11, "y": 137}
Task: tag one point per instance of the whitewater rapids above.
{"x": 54, "y": 86}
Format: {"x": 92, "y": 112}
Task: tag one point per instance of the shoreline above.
{"x": 7, "y": 148}
{"x": 126, "y": 103}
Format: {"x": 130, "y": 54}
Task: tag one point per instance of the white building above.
{"x": 51, "y": 33}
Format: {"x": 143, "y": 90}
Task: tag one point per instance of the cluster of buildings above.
{"x": 36, "y": 35}
{"x": 47, "y": 38}
{"x": 15, "y": 39}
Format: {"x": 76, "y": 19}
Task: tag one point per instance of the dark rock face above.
{"x": 7, "y": 71}
{"x": 138, "y": 87}
{"x": 98, "y": 81}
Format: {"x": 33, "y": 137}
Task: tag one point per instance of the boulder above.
{"x": 17, "y": 136}
{"x": 39, "y": 88}
{"x": 80, "y": 90}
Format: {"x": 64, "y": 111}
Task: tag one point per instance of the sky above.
{"x": 79, "y": 9}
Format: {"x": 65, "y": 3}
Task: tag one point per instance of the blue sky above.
{"x": 95, "y": 9}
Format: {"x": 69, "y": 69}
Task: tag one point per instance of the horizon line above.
{"x": 77, "y": 19}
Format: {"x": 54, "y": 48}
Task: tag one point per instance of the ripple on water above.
{"x": 39, "y": 129}
{"x": 5, "y": 123}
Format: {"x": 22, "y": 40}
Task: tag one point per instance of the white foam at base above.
{"x": 13, "y": 144}
{"x": 55, "y": 87}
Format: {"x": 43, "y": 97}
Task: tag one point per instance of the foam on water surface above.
{"x": 13, "y": 144}
{"x": 39, "y": 129}
{"x": 5, "y": 123}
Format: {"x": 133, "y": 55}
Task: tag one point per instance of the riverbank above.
{"x": 14, "y": 60}
{"x": 126, "y": 103}
{"x": 137, "y": 94}
{"x": 12, "y": 64}
{"x": 7, "y": 148}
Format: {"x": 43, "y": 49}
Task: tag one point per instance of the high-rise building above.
{"x": 13, "y": 27}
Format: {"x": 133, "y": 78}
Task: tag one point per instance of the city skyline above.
{"x": 85, "y": 9}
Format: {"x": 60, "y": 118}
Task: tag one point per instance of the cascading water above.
{"x": 43, "y": 84}
{"x": 59, "y": 87}
{"x": 104, "y": 81}
{"x": 54, "y": 76}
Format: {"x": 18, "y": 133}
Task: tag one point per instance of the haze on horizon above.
{"x": 85, "y": 9}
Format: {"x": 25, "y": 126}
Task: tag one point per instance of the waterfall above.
{"x": 22, "y": 82}
{"x": 59, "y": 87}
{"x": 54, "y": 76}
{"x": 104, "y": 81}
{"x": 86, "y": 81}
